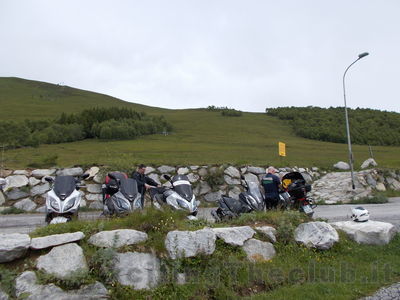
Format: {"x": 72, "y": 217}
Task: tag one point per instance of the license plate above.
{"x": 307, "y": 209}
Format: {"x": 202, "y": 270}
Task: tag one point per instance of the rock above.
{"x": 13, "y": 246}
{"x": 166, "y": 169}
{"x": 25, "y": 204}
{"x": 213, "y": 197}
{"x": 138, "y": 270}
{"x": 96, "y": 205}
{"x": 193, "y": 177}
{"x": 5, "y": 173}
{"x": 386, "y": 293}
{"x": 155, "y": 177}
{"x": 26, "y": 284}
{"x": 93, "y": 171}
{"x": 41, "y": 209}
{"x": 202, "y": 188}
{"x": 83, "y": 203}
{"x": 393, "y": 183}
{"x": 21, "y": 172}
{"x": 370, "y": 232}
{"x": 117, "y": 238}
{"x": 15, "y": 194}
{"x": 234, "y": 236}
{"x": 15, "y": 181}
{"x": 370, "y": 162}
{"x": 55, "y": 240}
{"x": 63, "y": 261}
{"x": 258, "y": 251}
{"x": 183, "y": 171}
{"x": 33, "y": 181}
{"x": 194, "y": 168}
{"x": 341, "y": 165}
{"x": 307, "y": 177}
{"x": 99, "y": 178}
{"x": 268, "y": 231}
{"x": 203, "y": 172}
{"x": 314, "y": 169}
{"x": 232, "y": 172}
{"x": 149, "y": 170}
{"x": 318, "y": 235}
{"x": 40, "y": 189}
{"x": 4, "y": 296}
{"x": 190, "y": 243}
{"x": 234, "y": 192}
{"x": 180, "y": 278}
{"x": 94, "y": 197}
{"x": 231, "y": 181}
{"x": 256, "y": 170}
{"x": 250, "y": 177}
{"x": 302, "y": 170}
{"x": 39, "y": 173}
{"x": 94, "y": 188}
{"x": 70, "y": 172}
{"x": 2, "y": 198}
{"x": 380, "y": 187}
{"x": 370, "y": 180}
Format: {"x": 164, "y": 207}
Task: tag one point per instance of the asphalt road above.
{"x": 388, "y": 212}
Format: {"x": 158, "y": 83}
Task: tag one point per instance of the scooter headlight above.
{"x": 183, "y": 203}
{"x": 54, "y": 204}
{"x": 68, "y": 205}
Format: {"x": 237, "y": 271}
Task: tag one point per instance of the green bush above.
{"x": 231, "y": 113}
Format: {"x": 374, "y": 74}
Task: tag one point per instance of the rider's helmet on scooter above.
{"x": 359, "y": 214}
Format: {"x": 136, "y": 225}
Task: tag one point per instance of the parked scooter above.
{"x": 120, "y": 195}
{"x": 250, "y": 200}
{"x": 64, "y": 199}
{"x": 179, "y": 196}
{"x": 295, "y": 185}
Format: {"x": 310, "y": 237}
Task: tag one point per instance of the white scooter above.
{"x": 64, "y": 199}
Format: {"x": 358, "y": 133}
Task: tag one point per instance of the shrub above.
{"x": 231, "y": 113}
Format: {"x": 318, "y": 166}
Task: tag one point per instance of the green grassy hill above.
{"x": 200, "y": 136}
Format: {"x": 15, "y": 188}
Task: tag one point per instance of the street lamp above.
{"x": 347, "y": 117}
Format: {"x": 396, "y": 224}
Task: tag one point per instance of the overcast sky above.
{"x": 248, "y": 55}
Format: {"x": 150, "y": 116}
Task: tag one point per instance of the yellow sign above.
{"x": 282, "y": 149}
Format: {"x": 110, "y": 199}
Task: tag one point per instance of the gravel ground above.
{"x": 387, "y": 293}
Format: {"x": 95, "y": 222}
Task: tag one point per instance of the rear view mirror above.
{"x": 242, "y": 177}
{"x": 111, "y": 176}
{"x": 49, "y": 179}
{"x": 167, "y": 177}
{"x": 84, "y": 176}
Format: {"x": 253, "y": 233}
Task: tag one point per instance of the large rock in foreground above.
{"x": 258, "y": 251}
{"x": 234, "y": 236}
{"x": 63, "y": 261}
{"x": 370, "y": 232}
{"x": 190, "y": 243}
{"x": 13, "y": 246}
{"x": 117, "y": 238}
{"x": 56, "y": 239}
{"x": 268, "y": 231}
{"x": 138, "y": 270}
{"x": 26, "y": 284}
{"x": 318, "y": 235}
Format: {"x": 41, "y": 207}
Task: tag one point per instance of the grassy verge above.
{"x": 347, "y": 271}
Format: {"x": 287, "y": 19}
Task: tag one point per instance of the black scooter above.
{"x": 121, "y": 195}
{"x": 250, "y": 200}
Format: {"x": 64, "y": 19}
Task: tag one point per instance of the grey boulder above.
{"x": 268, "y": 231}
{"x": 63, "y": 261}
{"x": 234, "y": 236}
{"x": 190, "y": 243}
{"x": 258, "y": 251}
{"x": 319, "y": 235}
{"x": 3, "y": 295}
{"x": 39, "y": 173}
{"x": 94, "y": 188}
{"x": 25, "y": 204}
{"x": 213, "y": 197}
{"x": 13, "y": 246}
{"x": 16, "y": 193}
{"x": 70, "y": 172}
{"x": 341, "y": 165}
{"x": 16, "y": 181}
{"x": 117, "y": 238}
{"x": 256, "y": 170}
{"x": 370, "y": 162}
{"x": 370, "y": 232}
{"x": 56, "y": 239}
{"x": 232, "y": 172}
{"x": 138, "y": 270}
{"x": 40, "y": 189}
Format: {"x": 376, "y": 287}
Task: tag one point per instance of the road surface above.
{"x": 388, "y": 212}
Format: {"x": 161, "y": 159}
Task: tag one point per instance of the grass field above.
{"x": 199, "y": 137}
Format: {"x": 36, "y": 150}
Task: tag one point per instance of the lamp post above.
{"x": 347, "y": 118}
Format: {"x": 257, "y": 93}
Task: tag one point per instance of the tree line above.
{"x": 367, "y": 126}
{"x": 102, "y": 123}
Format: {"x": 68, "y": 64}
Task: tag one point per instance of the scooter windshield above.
{"x": 64, "y": 186}
{"x": 255, "y": 191}
{"x": 182, "y": 186}
{"x": 129, "y": 188}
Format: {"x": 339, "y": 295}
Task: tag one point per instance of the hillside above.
{"x": 200, "y": 136}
